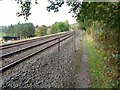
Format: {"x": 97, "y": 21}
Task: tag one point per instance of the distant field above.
{"x": 2, "y": 34}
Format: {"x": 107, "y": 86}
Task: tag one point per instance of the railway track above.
{"x": 13, "y": 54}
{"x": 7, "y": 48}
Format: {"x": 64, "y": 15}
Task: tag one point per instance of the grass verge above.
{"x": 102, "y": 74}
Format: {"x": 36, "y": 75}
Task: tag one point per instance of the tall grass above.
{"x": 102, "y": 75}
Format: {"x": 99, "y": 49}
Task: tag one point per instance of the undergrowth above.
{"x": 103, "y": 70}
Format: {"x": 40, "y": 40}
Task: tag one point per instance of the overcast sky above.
{"x": 40, "y": 15}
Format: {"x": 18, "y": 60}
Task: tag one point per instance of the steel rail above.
{"x": 32, "y": 54}
{"x": 27, "y": 41}
{"x": 26, "y": 48}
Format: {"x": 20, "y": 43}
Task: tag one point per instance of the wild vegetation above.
{"x": 102, "y": 25}
{"x": 23, "y": 30}
{"x": 41, "y": 30}
{"x": 26, "y": 30}
{"x": 103, "y": 73}
{"x": 60, "y": 27}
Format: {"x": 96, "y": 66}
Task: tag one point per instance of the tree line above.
{"x": 23, "y": 30}
{"x": 26, "y": 30}
{"x": 54, "y": 28}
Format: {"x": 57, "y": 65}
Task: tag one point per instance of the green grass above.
{"x": 2, "y": 34}
{"x": 97, "y": 68}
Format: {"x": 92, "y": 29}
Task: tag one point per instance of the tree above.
{"x": 41, "y": 30}
{"x": 25, "y": 6}
{"x": 22, "y": 30}
{"x": 67, "y": 26}
{"x": 75, "y": 5}
{"x": 18, "y": 29}
{"x": 59, "y": 27}
{"x": 28, "y": 30}
{"x": 10, "y": 30}
{"x": 3, "y": 28}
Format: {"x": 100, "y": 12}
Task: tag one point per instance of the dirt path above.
{"x": 82, "y": 80}
{"x": 80, "y": 72}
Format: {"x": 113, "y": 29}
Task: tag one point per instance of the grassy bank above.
{"x": 103, "y": 75}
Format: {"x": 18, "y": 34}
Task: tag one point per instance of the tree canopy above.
{"x": 41, "y": 30}
{"x": 22, "y": 30}
{"x": 60, "y": 27}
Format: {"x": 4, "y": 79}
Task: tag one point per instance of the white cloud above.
{"x": 39, "y": 16}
